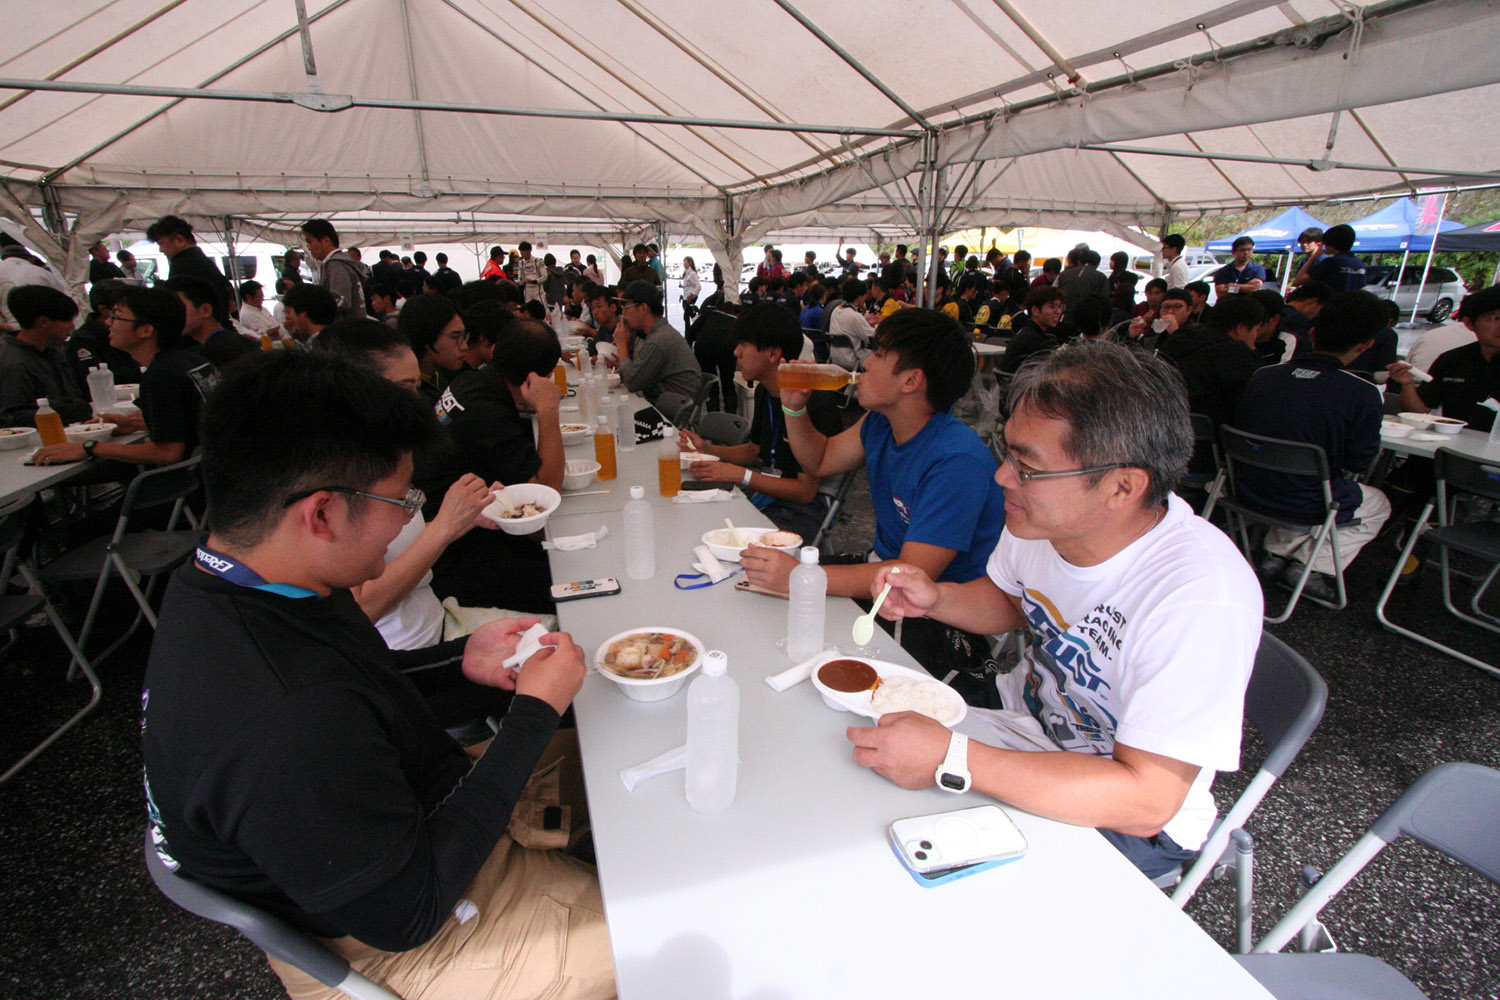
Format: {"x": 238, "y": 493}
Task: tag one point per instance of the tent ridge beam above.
{"x": 1286, "y": 161}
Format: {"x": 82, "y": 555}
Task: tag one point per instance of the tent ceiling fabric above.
{"x": 1021, "y": 93}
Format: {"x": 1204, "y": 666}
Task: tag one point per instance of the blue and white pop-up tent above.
{"x": 1393, "y": 229}
{"x": 1273, "y": 235}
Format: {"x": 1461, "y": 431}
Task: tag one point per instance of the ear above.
{"x": 1126, "y": 488}
{"x": 317, "y": 517}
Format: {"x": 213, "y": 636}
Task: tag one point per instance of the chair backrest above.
{"x": 1471, "y": 475}
{"x": 154, "y": 487}
{"x": 819, "y": 338}
{"x": 270, "y": 934}
{"x": 14, "y": 520}
{"x": 1453, "y": 808}
{"x": 708, "y": 388}
{"x": 724, "y": 428}
{"x": 1297, "y": 458}
{"x": 1284, "y": 700}
{"x": 674, "y": 406}
{"x": 1203, "y": 429}
{"x": 838, "y": 489}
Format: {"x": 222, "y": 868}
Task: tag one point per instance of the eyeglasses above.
{"x": 115, "y": 317}
{"x": 462, "y": 336}
{"x": 411, "y": 503}
{"x": 1026, "y": 474}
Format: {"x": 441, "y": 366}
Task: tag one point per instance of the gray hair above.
{"x": 1122, "y": 406}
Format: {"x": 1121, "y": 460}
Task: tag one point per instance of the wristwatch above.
{"x": 953, "y": 773}
{"x": 88, "y": 448}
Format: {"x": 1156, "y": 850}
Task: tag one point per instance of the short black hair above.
{"x": 1021, "y": 255}
{"x": 366, "y": 341}
{"x": 1090, "y": 315}
{"x": 1270, "y": 300}
{"x": 104, "y": 294}
{"x": 486, "y": 320}
{"x": 442, "y": 259}
{"x": 422, "y": 320}
{"x": 30, "y": 303}
{"x": 525, "y": 347}
{"x": 1241, "y": 242}
{"x": 1174, "y": 240}
{"x": 386, "y": 288}
{"x": 419, "y": 258}
{"x": 1157, "y": 283}
{"x": 770, "y": 324}
{"x": 159, "y": 308}
{"x": 1348, "y": 319}
{"x": 933, "y": 343}
{"x": 1119, "y": 259}
{"x": 285, "y": 421}
{"x": 313, "y": 301}
{"x": 248, "y": 288}
{"x": 1201, "y": 287}
{"x": 851, "y": 289}
{"x": 169, "y": 225}
{"x": 1043, "y": 294}
{"x": 1051, "y": 264}
{"x": 523, "y": 246}
{"x": 198, "y": 292}
{"x": 320, "y": 229}
{"x": 1340, "y": 237}
{"x": 1315, "y": 290}
{"x": 1312, "y": 234}
{"x": 1233, "y": 312}
{"x": 1178, "y": 295}
{"x": 471, "y": 293}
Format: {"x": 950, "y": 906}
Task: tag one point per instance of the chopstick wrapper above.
{"x": 673, "y": 760}
{"x": 796, "y": 675}
{"x": 703, "y": 496}
{"x": 570, "y": 543}
{"x": 709, "y": 565}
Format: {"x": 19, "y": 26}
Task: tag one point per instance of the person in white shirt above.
{"x": 691, "y": 287}
{"x": 1145, "y": 619}
{"x": 254, "y": 319}
{"x": 1433, "y": 343}
{"x": 849, "y": 319}
{"x": 1171, "y": 251}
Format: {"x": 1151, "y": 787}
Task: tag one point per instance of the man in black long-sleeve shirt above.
{"x": 290, "y": 756}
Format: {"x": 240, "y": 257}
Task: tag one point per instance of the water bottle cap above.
{"x": 41, "y": 402}
{"x": 637, "y": 492}
{"x": 715, "y": 663}
{"x": 809, "y": 555}
{"x": 603, "y": 420}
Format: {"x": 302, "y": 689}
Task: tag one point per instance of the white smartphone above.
{"x": 579, "y": 589}
{"x": 944, "y": 842}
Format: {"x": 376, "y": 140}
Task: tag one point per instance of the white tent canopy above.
{"x": 477, "y": 119}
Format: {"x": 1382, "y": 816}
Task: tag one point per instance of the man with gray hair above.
{"x": 1145, "y": 619}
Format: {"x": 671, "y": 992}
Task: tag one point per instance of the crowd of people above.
{"x": 358, "y": 605}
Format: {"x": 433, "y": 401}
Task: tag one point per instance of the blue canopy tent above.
{"x": 1274, "y": 235}
{"x": 1393, "y": 229}
{"x": 1483, "y": 238}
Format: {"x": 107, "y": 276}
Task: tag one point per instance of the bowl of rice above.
{"x": 19, "y": 437}
{"x": 650, "y": 663}
{"x": 79, "y": 433}
{"x": 523, "y": 508}
{"x": 896, "y": 689}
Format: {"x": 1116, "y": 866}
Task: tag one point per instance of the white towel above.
{"x": 673, "y": 760}
{"x": 571, "y": 543}
{"x": 709, "y": 565}
{"x": 703, "y": 496}
{"x": 530, "y": 642}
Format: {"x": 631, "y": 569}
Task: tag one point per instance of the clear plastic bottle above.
{"x": 640, "y": 536}
{"x": 669, "y": 464}
{"x": 49, "y": 425}
{"x": 807, "y": 601}
{"x": 586, "y": 412}
{"x": 713, "y": 736}
{"x": 101, "y": 388}
{"x": 604, "y": 449}
{"x": 625, "y": 424}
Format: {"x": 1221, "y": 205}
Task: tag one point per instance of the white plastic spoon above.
{"x": 864, "y": 625}
{"x": 734, "y": 535}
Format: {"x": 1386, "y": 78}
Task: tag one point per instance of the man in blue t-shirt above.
{"x": 1243, "y": 275}
{"x": 1333, "y": 264}
{"x": 932, "y": 480}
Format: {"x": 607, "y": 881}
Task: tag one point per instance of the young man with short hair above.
{"x": 448, "y": 279}
{"x": 1339, "y": 270}
{"x": 1242, "y": 275}
{"x": 309, "y": 309}
{"x": 1038, "y": 333}
{"x": 1217, "y": 358}
{"x": 1145, "y": 620}
{"x": 174, "y": 237}
{"x": 200, "y": 304}
{"x": 1464, "y": 377}
{"x": 1172, "y": 246}
{"x": 32, "y": 361}
{"x": 337, "y": 271}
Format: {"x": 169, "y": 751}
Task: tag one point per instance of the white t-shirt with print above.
{"x": 1151, "y": 648}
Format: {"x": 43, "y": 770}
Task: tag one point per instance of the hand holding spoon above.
{"x": 864, "y": 625}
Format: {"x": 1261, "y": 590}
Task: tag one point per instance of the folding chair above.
{"x": 840, "y": 491}
{"x": 724, "y": 428}
{"x": 1456, "y": 475}
{"x": 269, "y": 934}
{"x": 708, "y": 387}
{"x": 132, "y": 554}
{"x": 675, "y": 407}
{"x": 1453, "y": 808}
{"x": 819, "y": 340}
{"x": 1292, "y": 458}
{"x": 1206, "y": 442}
{"x": 1284, "y": 702}
{"x": 15, "y": 543}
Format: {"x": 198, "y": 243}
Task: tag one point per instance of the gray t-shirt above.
{"x": 661, "y": 361}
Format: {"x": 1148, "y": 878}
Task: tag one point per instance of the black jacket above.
{"x": 1215, "y": 367}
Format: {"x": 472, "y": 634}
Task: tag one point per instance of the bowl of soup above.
{"x": 649, "y": 663}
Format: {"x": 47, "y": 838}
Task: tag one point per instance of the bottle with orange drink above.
{"x": 49, "y": 425}
{"x": 669, "y": 464}
{"x": 799, "y": 377}
{"x": 560, "y": 376}
{"x": 604, "y": 449}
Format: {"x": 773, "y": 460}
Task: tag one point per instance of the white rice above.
{"x": 909, "y": 694}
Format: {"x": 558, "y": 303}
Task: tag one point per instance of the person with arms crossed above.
{"x": 1243, "y": 274}
{"x": 1145, "y": 619}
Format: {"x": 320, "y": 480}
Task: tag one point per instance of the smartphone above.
{"x": 945, "y": 843}
{"x": 579, "y": 589}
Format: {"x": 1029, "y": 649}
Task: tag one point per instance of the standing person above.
{"x": 218, "y": 344}
{"x": 417, "y": 274}
{"x": 1122, "y": 282}
{"x": 651, "y": 356}
{"x": 338, "y": 272}
{"x": 32, "y": 361}
{"x": 767, "y": 265}
{"x": 849, "y": 267}
{"x": 174, "y": 238}
{"x": 591, "y": 270}
{"x": 691, "y": 288}
{"x": 494, "y": 268}
{"x": 448, "y": 279}
{"x": 1145, "y": 620}
{"x": 387, "y": 269}
{"x": 130, "y": 270}
{"x": 1242, "y": 274}
{"x": 639, "y": 269}
{"x": 531, "y": 273}
{"x": 1340, "y": 270}
{"x": 291, "y": 267}
{"x": 1172, "y": 246}
{"x": 146, "y": 323}
{"x": 100, "y": 268}
{"x": 653, "y": 257}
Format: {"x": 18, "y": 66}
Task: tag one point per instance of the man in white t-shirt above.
{"x": 1145, "y": 619}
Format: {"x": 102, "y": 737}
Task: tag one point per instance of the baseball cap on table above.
{"x": 641, "y": 291}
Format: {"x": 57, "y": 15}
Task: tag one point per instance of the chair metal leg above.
{"x": 1479, "y": 593}
{"x": 1244, "y": 890}
{"x": 91, "y": 615}
{"x": 1448, "y": 595}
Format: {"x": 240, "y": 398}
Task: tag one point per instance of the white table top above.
{"x": 1474, "y": 444}
{"x": 17, "y": 478}
{"x": 792, "y": 891}
{"x": 982, "y": 348}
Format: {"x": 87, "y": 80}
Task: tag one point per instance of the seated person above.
{"x": 1216, "y": 359}
{"x": 997, "y": 310}
{"x": 1171, "y": 315}
{"x": 765, "y": 336}
{"x": 253, "y": 318}
{"x": 89, "y": 345}
{"x": 1150, "y": 306}
{"x": 1145, "y": 620}
{"x": 932, "y": 480}
{"x": 200, "y": 302}
{"x": 1303, "y": 303}
{"x": 32, "y": 362}
{"x": 1374, "y": 365}
{"x": 1464, "y": 377}
{"x": 1317, "y": 400}
{"x": 848, "y": 320}
{"x": 381, "y": 301}
{"x": 1038, "y": 333}
{"x": 339, "y": 803}
{"x": 606, "y": 315}
{"x": 1198, "y": 310}
{"x": 651, "y": 356}
{"x": 1273, "y": 345}
{"x": 310, "y": 309}
{"x": 146, "y": 323}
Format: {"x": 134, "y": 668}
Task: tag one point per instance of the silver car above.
{"x": 1444, "y": 289}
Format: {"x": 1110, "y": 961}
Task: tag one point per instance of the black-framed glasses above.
{"x": 411, "y": 503}
{"x": 1026, "y": 474}
{"x": 115, "y": 317}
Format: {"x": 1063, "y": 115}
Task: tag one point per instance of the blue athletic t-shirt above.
{"x": 938, "y": 488}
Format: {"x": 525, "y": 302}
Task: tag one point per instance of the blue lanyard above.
{"x": 222, "y": 566}
{"x": 771, "y": 408}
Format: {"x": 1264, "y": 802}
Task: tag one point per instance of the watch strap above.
{"x": 953, "y": 773}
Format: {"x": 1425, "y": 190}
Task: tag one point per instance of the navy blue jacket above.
{"x": 1318, "y": 401}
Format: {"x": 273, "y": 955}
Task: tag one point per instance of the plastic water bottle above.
{"x": 586, "y": 411}
{"x": 101, "y": 388}
{"x": 640, "y": 536}
{"x": 713, "y": 736}
{"x": 808, "y": 593}
{"x": 625, "y": 424}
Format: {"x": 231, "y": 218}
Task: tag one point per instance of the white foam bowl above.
{"x": 722, "y": 545}
{"x": 1395, "y": 430}
{"x": 128, "y": 390}
{"x": 1421, "y": 421}
{"x": 523, "y": 493}
{"x": 689, "y": 457}
{"x": 79, "y": 433}
{"x": 649, "y": 689}
{"x": 19, "y": 437}
{"x": 1448, "y": 425}
{"x": 576, "y": 433}
{"x": 578, "y": 473}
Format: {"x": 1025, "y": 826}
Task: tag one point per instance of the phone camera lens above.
{"x": 926, "y": 845}
{"x": 921, "y": 855}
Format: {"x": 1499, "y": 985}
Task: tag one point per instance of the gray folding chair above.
{"x": 1457, "y": 475}
{"x": 133, "y": 555}
{"x": 1206, "y": 442}
{"x": 1284, "y": 701}
{"x": 708, "y": 387}
{"x": 269, "y": 934}
{"x": 15, "y": 543}
{"x": 675, "y": 407}
{"x": 724, "y": 428}
{"x": 1454, "y": 808}
{"x": 1293, "y": 458}
{"x": 840, "y": 491}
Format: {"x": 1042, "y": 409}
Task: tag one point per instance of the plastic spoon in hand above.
{"x": 864, "y": 625}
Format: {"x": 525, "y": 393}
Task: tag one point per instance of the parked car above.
{"x": 1444, "y": 289}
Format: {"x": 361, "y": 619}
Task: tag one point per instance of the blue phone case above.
{"x": 929, "y": 881}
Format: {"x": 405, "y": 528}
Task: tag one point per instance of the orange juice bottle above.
{"x": 810, "y": 377}
{"x": 669, "y": 464}
{"x": 604, "y": 449}
{"x": 267, "y": 342}
{"x": 49, "y": 424}
{"x": 560, "y": 376}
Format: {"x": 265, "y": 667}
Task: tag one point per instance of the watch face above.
{"x": 953, "y": 782}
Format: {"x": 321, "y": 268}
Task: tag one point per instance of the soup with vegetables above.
{"x": 649, "y": 655}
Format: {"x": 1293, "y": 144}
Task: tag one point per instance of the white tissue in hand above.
{"x": 530, "y": 642}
